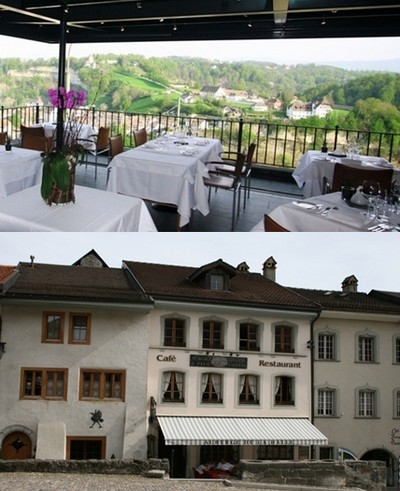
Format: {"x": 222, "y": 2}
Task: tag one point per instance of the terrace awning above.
{"x": 200, "y": 430}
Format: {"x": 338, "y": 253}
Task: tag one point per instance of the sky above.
{"x": 289, "y": 51}
{"x": 310, "y": 260}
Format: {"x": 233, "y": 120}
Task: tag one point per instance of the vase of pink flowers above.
{"x": 58, "y": 175}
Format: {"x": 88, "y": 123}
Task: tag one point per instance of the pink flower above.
{"x": 62, "y": 99}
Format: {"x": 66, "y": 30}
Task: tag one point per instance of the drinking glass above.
{"x": 371, "y": 190}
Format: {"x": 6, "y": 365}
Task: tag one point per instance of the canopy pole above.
{"x": 61, "y": 80}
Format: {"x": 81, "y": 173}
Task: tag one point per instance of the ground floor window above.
{"x": 326, "y": 453}
{"x": 83, "y": 448}
{"x": 276, "y": 452}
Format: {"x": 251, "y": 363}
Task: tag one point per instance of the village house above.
{"x": 299, "y": 110}
{"x": 195, "y": 364}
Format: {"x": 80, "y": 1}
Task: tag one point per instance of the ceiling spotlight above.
{"x": 122, "y": 29}
{"x": 249, "y": 24}
{"x": 66, "y": 10}
{"x": 139, "y": 5}
{"x": 161, "y": 20}
{"x": 323, "y": 22}
{"x": 174, "y": 28}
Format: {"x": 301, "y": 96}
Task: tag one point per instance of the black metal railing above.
{"x": 278, "y": 145}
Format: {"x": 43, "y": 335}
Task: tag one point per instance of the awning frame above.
{"x": 218, "y": 430}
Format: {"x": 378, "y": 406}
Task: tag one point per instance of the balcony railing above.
{"x": 278, "y": 145}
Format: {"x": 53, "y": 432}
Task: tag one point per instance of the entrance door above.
{"x": 81, "y": 448}
{"x": 176, "y": 454}
{"x": 17, "y": 445}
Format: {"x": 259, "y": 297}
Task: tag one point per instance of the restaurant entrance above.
{"x": 176, "y": 455}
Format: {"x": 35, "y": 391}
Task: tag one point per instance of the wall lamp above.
{"x": 2, "y": 349}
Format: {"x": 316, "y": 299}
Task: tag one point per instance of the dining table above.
{"x": 167, "y": 170}
{"x": 327, "y": 213}
{"x": 82, "y": 132}
{"x": 94, "y": 210}
{"x": 314, "y": 167}
{"x": 20, "y": 168}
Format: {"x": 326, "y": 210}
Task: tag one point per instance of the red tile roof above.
{"x": 249, "y": 289}
{"x": 74, "y": 282}
{"x": 6, "y": 272}
{"x": 355, "y": 302}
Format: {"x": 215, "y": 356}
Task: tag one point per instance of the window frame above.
{"x": 45, "y": 327}
{"x": 363, "y": 350}
{"x": 246, "y": 387}
{"x": 281, "y": 337}
{"x": 44, "y": 386}
{"x": 72, "y": 326}
{"x": 214, "y": 325}
{"x": 205, "y": 388}
{"x": 245, "y": 343}
{"x": 174, "y": 336}
{"x": 217, "y": 282}
{"x": 364, "y": 392}
{"x": 102, "y": 384}
{"x": 288, "y": 388}
{"x": 396, "y": 403}
{"x": 333, "y": 402}
{"x": 174, "y": 388}
{"x": 323, "y": 348}
{"x": 396, "y": 349}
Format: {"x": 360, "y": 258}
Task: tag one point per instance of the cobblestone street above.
{"x": 20, "y": 481}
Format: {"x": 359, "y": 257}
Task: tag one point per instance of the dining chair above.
{"x": 34, "y": 142}
{"x": 3, "y": 137}
{"x": 116, "y": 147}
{"x": 228, "y": 167}
{"x": 228, "y": 183}
{"x": 101, "y": 145}
{"x": 270, "y": 225}
{"x": 354, "y": 176}
{"x": 140, "y": 136}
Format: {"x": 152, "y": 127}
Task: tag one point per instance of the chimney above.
{"x": 350, "y": 284}
{"x": 32, "y": 261}
{"x": 269, "y": 269}
{"x": 243, "y": 267}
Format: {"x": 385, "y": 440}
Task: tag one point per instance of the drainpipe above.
{"x": 310, "y": 345}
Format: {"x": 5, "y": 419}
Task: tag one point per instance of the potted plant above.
{"x": 58, "y": 175}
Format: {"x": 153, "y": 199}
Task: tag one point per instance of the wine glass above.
{"x": 371, "y": 190}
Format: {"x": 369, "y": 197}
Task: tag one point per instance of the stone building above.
{"x": 75, "y": 362}
{"x": 195, "y": 364}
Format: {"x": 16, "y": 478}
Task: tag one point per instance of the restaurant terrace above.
{"x": 290, "y": 179}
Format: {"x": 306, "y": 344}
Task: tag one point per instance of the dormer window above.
{"x": 217, "y": 281}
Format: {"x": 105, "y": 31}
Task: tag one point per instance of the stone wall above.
{"x": 150, "y": 467}
{"x": 368, "y": 475}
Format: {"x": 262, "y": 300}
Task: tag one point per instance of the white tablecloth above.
{"x": 81, "y": 131}
{"x": 167, "y": 171}
{"x": 19, "y": 169}
{"x": 313, "y": 166}
{"x": 345, "y": 218}
{"x": 93, "y": 211}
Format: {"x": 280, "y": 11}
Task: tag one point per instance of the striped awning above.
{"x": 200, "y": 430}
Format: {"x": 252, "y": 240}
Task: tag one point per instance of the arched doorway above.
{"x": 391, "y": 463}
{"x": 17, "y": 446}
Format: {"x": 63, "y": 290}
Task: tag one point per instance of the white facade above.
{"x": 357, "y": 386}
{"x": 118, "y": 341}
{"x": 266, "y": 364}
